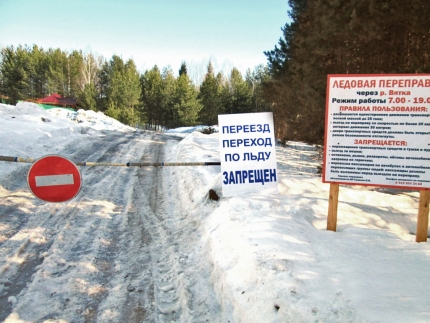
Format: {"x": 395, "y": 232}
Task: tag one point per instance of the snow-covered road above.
{"x": 120, "y": 252}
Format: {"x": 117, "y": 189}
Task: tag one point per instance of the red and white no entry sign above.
{"x": 54, "y": 179}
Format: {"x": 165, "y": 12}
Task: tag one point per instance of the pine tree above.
{"x": 152, "y": 95}
{"x": 186, "y": 101}
{"x": 169, "y": 114}
{"x": 123, "y": 90}
{"x": 88, "y": 80}
{"x": 210, "y": 97}
{"x": 87, "y": 97}
{"x": 73, "y": 71}
{"x": 38, "y": 67}
{"x": 57, "y": 72}
{"x": 131, "y": 85}
{"x": 240, "y": 96}
{"x": 255, "y": 80}
{"x": 15, "y": 73}
{"x": 115, "y": 84}
{"x": 103, "y": 76}
{"x": 131, "y": 93}
{"x": 183, "y": 69}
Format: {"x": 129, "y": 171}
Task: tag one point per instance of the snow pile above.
{"x": 184, "y": 131}
{"x": 27, "y": 130}
{"x": 95, "y": 120}
{"x": 274, "y": 261}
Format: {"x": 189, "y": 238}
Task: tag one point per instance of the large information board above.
{"x": 378, "y": 130}
{"x": 248, "y": 155}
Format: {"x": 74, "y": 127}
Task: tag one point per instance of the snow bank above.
{"x": 27, "y": 130}
{"x": 274, "y": 261}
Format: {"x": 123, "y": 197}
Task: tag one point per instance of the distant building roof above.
{"x": 56, "y": 99}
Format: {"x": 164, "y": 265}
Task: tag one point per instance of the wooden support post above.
{"x": 423, "y": 216}
{"x": 332, "y": 207}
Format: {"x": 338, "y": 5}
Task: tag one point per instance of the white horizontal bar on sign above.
{"x": 53, "y": 180}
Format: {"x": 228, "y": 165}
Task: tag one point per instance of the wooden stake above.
{"x": 332, "y": 207}
{"x": 423, "y": 217}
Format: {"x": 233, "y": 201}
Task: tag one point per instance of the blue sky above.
{"x": 163, "y": 32}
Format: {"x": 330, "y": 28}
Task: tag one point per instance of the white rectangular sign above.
{"x": 378, "y": 130}
{"x": 248, "y": 155}
{"x": 54, "y": 180}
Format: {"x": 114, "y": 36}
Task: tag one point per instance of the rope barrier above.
{"x": 17, "y": 159}
{"x": 91, "y": 164}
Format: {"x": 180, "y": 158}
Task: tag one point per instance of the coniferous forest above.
{"x": 115, "y": 87}
{"x": 322, "y": 37}
{"x": 340, "y": 37}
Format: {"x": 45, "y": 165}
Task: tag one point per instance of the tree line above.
{"x": 323, "y": 37}
{"x": 115, "y": 87}
{"x": 340, "y": 37}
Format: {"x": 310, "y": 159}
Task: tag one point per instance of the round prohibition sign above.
{"x": 54, "y": 178}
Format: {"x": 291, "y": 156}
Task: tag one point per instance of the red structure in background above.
{"x": 58, "y": 100}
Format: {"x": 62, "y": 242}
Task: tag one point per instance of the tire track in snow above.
{"x": 118, "y": 252}
{"x": 60, "y": 219}
{"x": 102, "y": 253}
{"x": 177, "y": 277}
{"x": 27, "y": 233}
{"x": 171, "y": 294}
